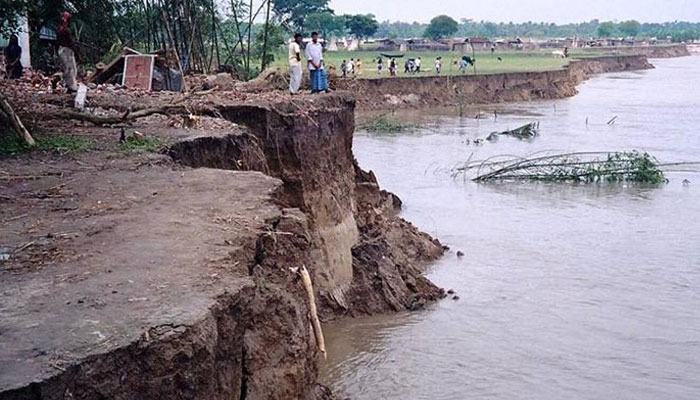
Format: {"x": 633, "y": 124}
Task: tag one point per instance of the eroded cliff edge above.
{"x": 427, "y": 91}
{"x": 154, "y": 278}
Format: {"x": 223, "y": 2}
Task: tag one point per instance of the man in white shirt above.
{"x": 295, "y": 64}
{"x": 314, "y": 57}
{"x": 418, "y": 63}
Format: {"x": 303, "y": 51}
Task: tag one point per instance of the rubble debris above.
{"x": 144, "y": 71}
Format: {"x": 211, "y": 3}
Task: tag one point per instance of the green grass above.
{"x": 10, "y": 144}
{"x": 487, "y": 63}
{"x": 387, "y": 124}
{"x": 133, "y": 144}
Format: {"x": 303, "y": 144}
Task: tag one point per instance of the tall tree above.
{"x": 294, "y": 12}
{"x": 326, "y": 24}
{"x": 442, "y": 26}
{"x": 630, "y": 28}
{"x": 361, "y": 26}
{"x": 606, "y": 29}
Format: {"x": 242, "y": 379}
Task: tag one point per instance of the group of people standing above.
{"x": 313, "y": 54}
{"x": 66, "y": 53}
{"x": 354, "y": 67}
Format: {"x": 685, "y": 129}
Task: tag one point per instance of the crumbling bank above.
{"x": 464, "y": 90}
{"x": 178, "y": 283}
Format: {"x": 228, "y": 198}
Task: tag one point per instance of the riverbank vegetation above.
{"x": 387, "y": 124}
{"x": 587, "y": 167}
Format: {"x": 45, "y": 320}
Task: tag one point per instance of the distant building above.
{"x": 465, "y": 45}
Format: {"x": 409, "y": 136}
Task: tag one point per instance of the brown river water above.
{"x": 588, "y": 291}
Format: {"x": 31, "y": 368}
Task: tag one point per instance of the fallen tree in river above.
{"x": 572, "y": 167}
{"x": 527, "y": 131}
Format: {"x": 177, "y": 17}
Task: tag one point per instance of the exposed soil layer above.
{"x": 658, "y": 51}
{"x": 409, "y": 92}
{"x": 137, "y": 275}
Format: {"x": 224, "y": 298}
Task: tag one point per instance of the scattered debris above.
{"x": 612, "y": 121}
{"x": 460, "y": 254}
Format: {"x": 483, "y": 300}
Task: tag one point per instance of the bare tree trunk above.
{"x": 267, "y": 25}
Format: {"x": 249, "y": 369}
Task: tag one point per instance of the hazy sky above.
{"x": 524, "y": 10}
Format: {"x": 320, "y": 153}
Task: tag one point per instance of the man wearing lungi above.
{"x": 314, "y": 57}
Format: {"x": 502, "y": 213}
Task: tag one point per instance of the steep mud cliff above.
{"x": 362, "y": 255}
{"x": 174, "y": 276}
{"x": 659, "y": 51}
{"x": 404, "y": 92}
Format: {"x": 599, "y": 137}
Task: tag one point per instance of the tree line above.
{"x": 678, "y": 31}
{"x": 243, "y": 35}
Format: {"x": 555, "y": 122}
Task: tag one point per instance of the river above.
{"x": 567, "y": 291}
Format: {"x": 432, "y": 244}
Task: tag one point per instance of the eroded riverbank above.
{"x": 132, "y": 275}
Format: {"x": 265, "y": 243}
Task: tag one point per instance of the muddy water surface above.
{"x": 566, "y": 291}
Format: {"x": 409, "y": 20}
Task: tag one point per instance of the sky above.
{"x": 562, "y": 11}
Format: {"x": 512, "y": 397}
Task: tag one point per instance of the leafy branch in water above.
{"x": 387, "y": 124}
{"x": 571, "y": 167}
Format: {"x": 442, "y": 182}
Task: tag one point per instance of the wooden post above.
{"x": 172, "y": 44}
{"x": 16, "y": 122}
{"x": 267, "y": 24}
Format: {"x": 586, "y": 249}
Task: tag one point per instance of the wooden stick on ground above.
{"x": 315, "y": 322}
{"x": 16, "y": 122}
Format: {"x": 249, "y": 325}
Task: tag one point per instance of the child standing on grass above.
{"x": 438, "y": 65}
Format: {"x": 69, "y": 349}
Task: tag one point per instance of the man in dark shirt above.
{"x": 13, "y": 54}
{"x": 66, "y": 52}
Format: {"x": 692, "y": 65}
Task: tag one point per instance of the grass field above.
{"x": 487, "y": 63}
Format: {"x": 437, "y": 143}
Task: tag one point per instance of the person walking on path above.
{"x": 438, "y": 65}
{"x": 67, "y": 53}
{"x": 314, "y": 58}
{"x": 295, "y": 64}
{"x": 13, "y": 55}
{"x": 418, "y": 63}
{"x": 358, "y": 67}
{"x": 380, "y": 65}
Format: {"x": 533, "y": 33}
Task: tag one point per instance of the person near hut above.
{"x": 418, "y": 63}
{"x": 380, "y": 65}
{"x": 67, "y": 53}
{"x": 351, "y": 67}
{"x": 438, "y": 65}
{"x": 13, "y": 55}
{"x": 295, "y": 64}
{"x": 358, "y": 67}
{"x": 314, "y": 57}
